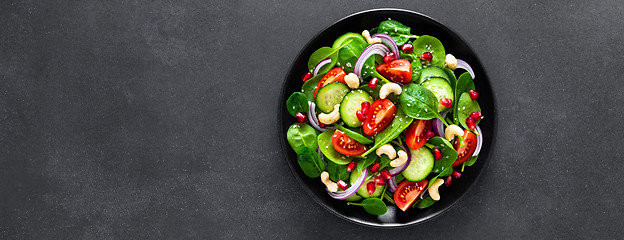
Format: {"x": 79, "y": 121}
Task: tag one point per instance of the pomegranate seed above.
{"x": 342, "y": 185}
{"x": 380, "y": 181}
{"x": 301, "y": 117}
{"x": 307, "y": 76}
{"x": 386, "y": 174}
{"x": 426, "y": 56}
{"x": 321, "y": 124}
{"x": 448, "y": 181}
{"x": 407, "y": 48}
{"x": 351, "y": 166}
{"x": 373, "y": 83}
{"x": 370, "y": 187}
{"x": 375, "y": 167}
{"x": 456, "y": 174}
{"x": 389, "y": 57}
{"x": 360, "y": 116}
{"x": 447, "y": 102}
{"x": 429, "y": 134}
{"x": 476, "y": 115}
{"x": 437, "y": 153}
{"x": 474, "y": 95}
{"x": 365, "y": 107}
{"x": 471, "y": 124}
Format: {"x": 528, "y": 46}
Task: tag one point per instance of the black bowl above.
{"x": 421, "y": 25}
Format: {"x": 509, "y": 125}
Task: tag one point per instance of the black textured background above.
{"x": 156, "y": 119}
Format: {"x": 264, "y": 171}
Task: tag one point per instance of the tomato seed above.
{"x": 437, "y": 153}
{"x": 386, "y": 174}
{"x": 301, "y": 117}
{"x": 476, "y": 115}
{"x": 351, "y": 166}
{"x": 373, "y": 83}
{"x": 407, "y": 48}
{"x": 456, "y": 174}
{"x": 389, "y": 57}
{"x": 342, "y": 185}
{"x": 429, "y": 134}
{"x": 448, "y": 181}
{"x": 375, "y": 167}
{"x": 370, "y": 187}
{"x": 447, "y": 102}
{"x": 307, "y": 76}
{"x": 426, "y": 56}
{"x": 380, "y": 181}
{"x": 471, "y": 124}
{"x": 474, "y": 95}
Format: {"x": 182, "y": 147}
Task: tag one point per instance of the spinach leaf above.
{"x": 452, "y": 79}
{"x": 325, "y": 144}
{"x": 419, "y": 103}
{"x": 357, "y": 136}
{"x": 466, "y": 106}
{"x": 471, "y": 161}
{"x": 349, "y": 54}
{"x": 430, "y": 44}
{"x": 324, "y": 53}
{"x": 384, "y": 161}
{"x": 309, "y": 87}
{"x": 464, "y": 84}
{"x": 310, "y": 163}
{"x": 399, "y": 32}
{"x": 297, "y": 103}
{"x": 364, "y": 163}
{"x": 426, "y": 202}
{"x": 337, "y": 172}
{"x": 301, "y": 136}
{"x": 373, "y": 206}
{"x": 449, "y": 154}
{"x": 446, "y": 172}
{"x": 399, "y": 123}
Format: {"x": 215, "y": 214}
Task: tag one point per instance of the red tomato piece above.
{"x": 407, "y": 192}
{"x": 415, "y": 136}
{"x": 399, "y": 70}
{"x": 337, "y": 74}
{"x": 463, "y": 153}
{"x": 379, "y": 116}
{"x": 347, "y": 145}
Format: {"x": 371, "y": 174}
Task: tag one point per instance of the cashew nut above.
{"x": 369, "y": 39}
{"x": 331, "y": 186}
{"x": 352, "y": 80}
{"x": 450, "y": 62}
{"x": 332, "y": 117}
{"x": 386, "y": 149}
{"x": 433, "y": 190}
{"x": 400, "y": 160}
{"x": 388, "y": 88}
{"x": 451, "y": 131}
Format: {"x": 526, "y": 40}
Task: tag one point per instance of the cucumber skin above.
{"x": 352, "y": 102}
{"x": 331, "y": 88}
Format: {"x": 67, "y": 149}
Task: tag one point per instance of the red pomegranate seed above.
{"x": 429, "y": 134}
{"x": 456, "y": 174}
{"x": 342, "y": 185}
{"x": 471, "y": 124}
{"x": 447, "y": 102}
{"x": 380, "y": 181}
{"x": 307, "y": 76}
{"x": 448, "y": 181}
{"x": 474, "y": 95}
{"x": 365, "y": 107}
{"x": 301, "y": 117}
{"x": 437, "y": 153}
{"x": 373, "y": 83}
{"x": 426, "y": 56}
{"x": 385, "y": 174}
{"x": 351, "y": 166}
{"x": 476, "y": 115}
{"x": 389, "y": 57}
{"x": 407, "y": 48}
{"x": 375, "y": 167}
{"x": 360, "y": 116}
{"x": 370, "y": 187}
{"x": 321, "y": 124}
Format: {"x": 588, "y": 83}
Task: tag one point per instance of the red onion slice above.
{"x": 342, "y": 195}
{"x": 314, "y": 122}
{"x": 392, "y": 185}
{"x": 386, "y": 39}
{"x": 395, "y": 171}
{"x": 373, "y": 49}
{"x": 438, "y": 126}
{"x": 320, "y": 65}
{"x": 479, "y": 142}
{"x": 464, "y": 65}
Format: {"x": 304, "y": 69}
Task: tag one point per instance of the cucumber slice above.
{"x": 350, "y": 104}
{"x": 362, "y": 190}
{"x": 441, "y": 89}
{"x": 420, "y": 165}
{"x": 431, "y": 72}
{"x": 330, "y": 95}
{"x": 355, "y": 135}
{"x": 325, "y": 144}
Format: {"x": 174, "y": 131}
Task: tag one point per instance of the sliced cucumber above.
{"x": 350, "y": 104}
{"x": 330, "y": 95}
{"x": 420, "y": 166}
{"x": 441, "y": 89}
{"x": 325, "y": 144}
{"x": 431, "y": 72}
{"x": 357, "y": 136}
{"x": 362, "y": 190}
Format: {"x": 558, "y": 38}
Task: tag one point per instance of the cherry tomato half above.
{"x": 347, "y": 145}
{"x": 407, "y": 192}
{"x": 399, "y": 70}
{"x": 379, "y": 116}
{"x": 415, "y": 134}
{"x": 337, "y": 74}
{"x": 463, "y": 153}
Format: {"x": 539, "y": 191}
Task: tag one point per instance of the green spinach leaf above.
{"x": 297, "y": 103}
{"x": 430, "y": 44}
{"x": 466, "y": 106}
{"x": 324, "y": 53}
{"x": 399, "y": 123}
{"x": 399, "y": 32}
{"x": 449, "y": 154}
{"x": 337, "y": 172}
{"x": 418, "y": 102}
{"x": 301, "y": 136}
{"x": 309, "y": 87}
{"x": 464, "y": 84}
{"x": 426, "y": 202}
{"x": 310, "y": 163}
{"x": 373, "y": 206}
{"x": 357, "y": 136}
{"x": 471, "y": 161}
{"x": 364, "y": 163}
{"x": 325, "y": 144}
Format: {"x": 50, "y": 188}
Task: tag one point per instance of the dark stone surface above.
{"x": 136, "y": 120}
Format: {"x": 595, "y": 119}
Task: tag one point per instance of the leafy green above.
{"x": 399, "y": 123}
{"x": 349, "y": 54}
{"x": 325, "y": 144}
{"x": 426, "y": 202}
{"x": 471, "y": 161}
{"x": 337, "y": 172}
{"x": 384, "y": 161}
{"x": 301, "y": 136}
{"x": 446, "y": 172}
{"x": 324, "y": 53}
{"x": 309, "y": 87}
{"x": 466, "y": 106}
{"x": 449, "y": 154}
{"x": 418, "y": 102}
{"x": 364, "y": 163}
{"x": 399, "y": 32}
{"x": 430, "y": 44}
{"x": 373, "y": 206}
{"x": 355, "y": 135}
{"x": 463, "y": 84}
{"x": 297, "y": 103}
{"x": 310, "y": 163}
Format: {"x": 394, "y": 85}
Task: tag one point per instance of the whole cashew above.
{"x": 433, "y": 190}
{"x": 331, "y": 186}
{"x": 386, "y": 149}
{"x": 369, "y": 39}
{"x": 352, "y": 80}
{"x": 388, "y": 88}
{"x": 451, "y": 131}
{"x": 332, "y": 117}
{"x": 450, "y": 62}
{"x": 400, "y": 160}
